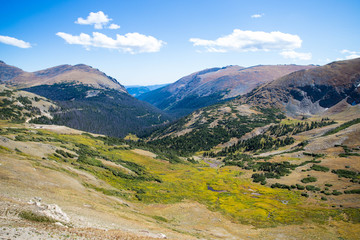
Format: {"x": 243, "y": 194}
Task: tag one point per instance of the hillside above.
{"x": 104, "y": 111}
{"x": 329, "y": 90}
{"x": 8, "y": 72}
{"x": 20, "y": 106}
{"x": 106, "y": 188}
{"x": 80, "y": 74}
{"x": 312, "y": 91}
{"x": 212, "y": 85}
{"x": 227, "y": 171}
{"x": 88, "y": 100}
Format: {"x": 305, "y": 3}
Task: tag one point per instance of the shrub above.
{"x": 279, "y": 185}
{"x": 309, "y": 179}
{"x": 336, "y": 193}
{"x": 300, "y": 187}
{"x": 354, "y": 191}
{"x": 304, "y": 194}
{"x": 258, "y": 177}
{"x": 319, "y": 168}
{"x": 345, "y": 173}
{"x": 312, "y": 188}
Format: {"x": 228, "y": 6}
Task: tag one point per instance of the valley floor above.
{"x": 100, "y": 206}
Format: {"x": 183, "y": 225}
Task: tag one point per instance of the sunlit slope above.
{"x": 110, "y": 169}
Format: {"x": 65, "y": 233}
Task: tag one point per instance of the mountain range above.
{"x": 317, "y": 91}
{"x": 280, "y": 161}
{"x": 87, "y": 98}
{"x": 213, "y": 85}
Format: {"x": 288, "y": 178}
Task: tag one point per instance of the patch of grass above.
{"x": 29, "y": 215}
{"x": 159, "y": 218}
{"x": 314, "y": 155}
{"x": 18, "y": 150}
{"x": 109, "y": 192}
{"x": 5, "y": 149}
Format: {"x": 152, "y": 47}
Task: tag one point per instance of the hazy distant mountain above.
{"x": 212, "y": 85}
{"x": 88, "y": 99}
{"x": 137, "y": 90}
{"x": 314, "y": 90}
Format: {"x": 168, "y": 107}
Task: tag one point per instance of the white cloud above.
{"x": 257, "y": 15}
{"x": 296, "y": 55}
{"x": 350, "y": 54}
{"x": 114, "y": 26}
{"x": 131, "y": 42}
{"x": 244, "y": 41}
{"x": 98, "y": 19}
{"x": 14, "y": 42}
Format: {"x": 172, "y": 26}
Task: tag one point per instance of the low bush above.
{"x": 354, "y": 191}
{"x": 309, "y": 179}
{"x": 319, "y": 168}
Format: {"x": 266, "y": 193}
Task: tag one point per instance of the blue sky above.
{"x": 160, "y": 41}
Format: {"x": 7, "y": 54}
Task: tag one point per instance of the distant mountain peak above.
{"x": 212, "y": 85}
{"x": 312, "y": 91}
{"x": 79, "y": 73}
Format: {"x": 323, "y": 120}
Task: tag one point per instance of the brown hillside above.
{"x": 64, "y": 73}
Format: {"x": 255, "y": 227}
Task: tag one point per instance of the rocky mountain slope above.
{"x": 312, "y": 91}
{"x": 330, "y": 90}
{"x": 213, "y": 85}
{"x": 87, "y": 99}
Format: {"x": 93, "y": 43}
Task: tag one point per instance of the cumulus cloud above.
{"x": 98, "y": 19}
{"x": 350, "y": 54}
{"x": 130, "y": 43}
{"x": 257, "y": 15}
{"x": 14, "y": 42}
{"x": 296, "y": 55}
{"x": 114, "y": 26}
{"x": 244, "y": 41}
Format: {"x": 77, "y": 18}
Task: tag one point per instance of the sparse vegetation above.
{"x": 29, "y": 215}
{"x": 343, "y": 126}
{"x": 353, "y": 191}
{"x": 346, "y": 173}
{"x": 319, "y": 168}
